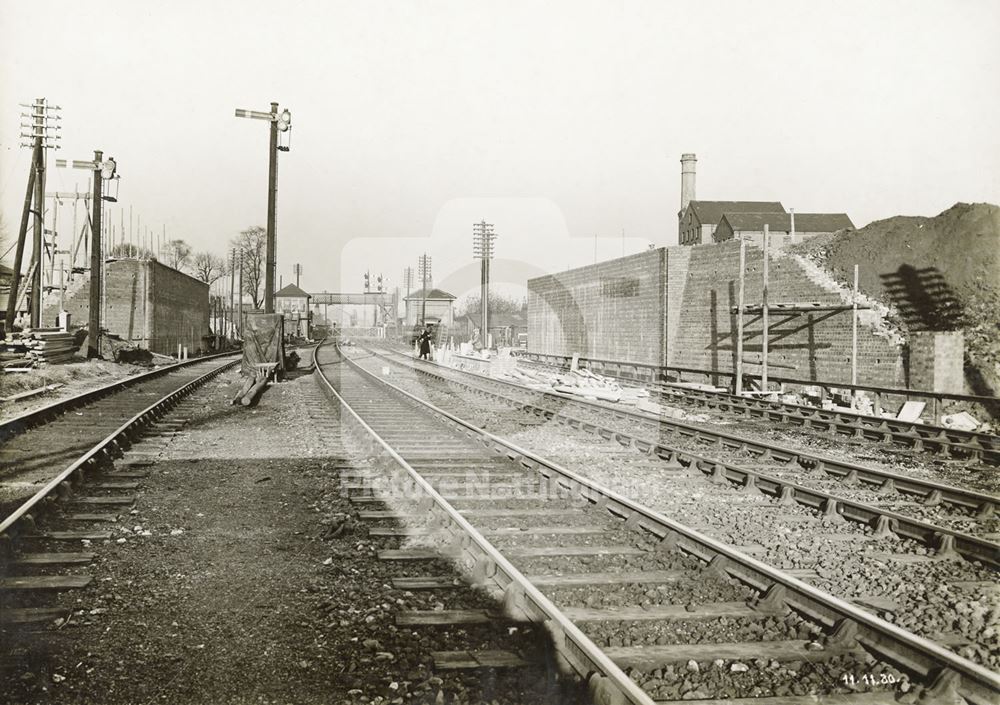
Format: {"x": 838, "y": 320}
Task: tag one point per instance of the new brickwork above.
{"x": 680, "y": 313}
{"x": 145, "y": 302}
{"x": 610, "y": 310}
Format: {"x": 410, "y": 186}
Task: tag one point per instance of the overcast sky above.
{"x": 556, "y": 122}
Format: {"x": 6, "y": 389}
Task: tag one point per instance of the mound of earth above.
{"x": 940, "y": 273}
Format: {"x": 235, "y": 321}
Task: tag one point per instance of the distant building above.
{"x": 783, "y": 228}
{"x": 698, "y": 221}
{"x": 438, "y": 309}
{"x": 293, "y": 304}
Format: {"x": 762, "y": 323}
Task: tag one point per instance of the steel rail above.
{"x": 945, "y": 540}
{"x": 27, "y": 420}
{"x": 584, "y": 657}
{"x": 979, "y": 446}
{"x": 140, "y": 420}
{"x": 903, "y": 648}
{"x": 984, "y": 504}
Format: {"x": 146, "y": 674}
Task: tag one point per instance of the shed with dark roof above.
{"x": 750, "y": 226}
{"x": 698, "y": 221}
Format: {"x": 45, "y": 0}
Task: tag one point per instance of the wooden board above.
{"x": 46, "y": 582}
{"x": 86, "y": 516}
{"x": 557, "y": 551}
{"x": 36, "y": 559}
{"x": 650, "y": 657}
{"x": 106, "y": 501}
{"x": 455, "y": 660}
{"x": 869, "y": 698}
{"x": 444, "y": 617}
{"x": 715, "y": 610}
{"x": 428, "y": 582}
{"x": 408, "y": 554}
{"x": 70, "y": 536}
{"x": 32, "y": 615}
{"x": 650, "y": 577}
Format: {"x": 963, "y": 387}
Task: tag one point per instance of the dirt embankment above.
{"x": 940, "y": 273}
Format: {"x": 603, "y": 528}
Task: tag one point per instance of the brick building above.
{"x": 438, "y": 309}
{"x": 293, "y": 305}
{"x": 783, "y": 228}
{"x": 698, "y": 220}
{"x": 146, "y": 303}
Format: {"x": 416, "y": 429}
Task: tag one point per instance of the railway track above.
{"x": 641, "y": 607}
{"x": 863, "y": 494}
{"x": 58, "y": 458}
{"x": 945, "y": 443}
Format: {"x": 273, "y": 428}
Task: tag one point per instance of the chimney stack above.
{"x": 687, "y": 179}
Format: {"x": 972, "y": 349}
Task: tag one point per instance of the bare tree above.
{"x": 499, "y": 303}
{"x": 251, "y": 244}
{"x": 208, "y": 268}
{"x": 177, "y": 254}
{"x": 127, "y": 250}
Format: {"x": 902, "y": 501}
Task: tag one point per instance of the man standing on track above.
{"x": 425, "y": 343}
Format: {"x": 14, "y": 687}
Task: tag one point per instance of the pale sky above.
{"x": 556, "y": 122}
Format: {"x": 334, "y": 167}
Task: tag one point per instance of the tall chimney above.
{"x": 687, "y": 179}
{"x": 791, "y": 212}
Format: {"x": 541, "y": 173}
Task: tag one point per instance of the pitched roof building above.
{"x": 784, "y": 228}
{"x": 698, "y": 220}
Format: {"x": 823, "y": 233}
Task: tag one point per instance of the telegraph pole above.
{"x": 482, "y": 248}
{"x": 298, "y": 273}
{"x": 282, "y": 122}
{"x": 424, "y": 268}
{"x": 39, "y": 139}
{"x": 94, "y": 324}
{"x": 232, "y": 292}
{"x": 103, "y": 169}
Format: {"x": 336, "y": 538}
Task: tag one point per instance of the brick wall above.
{"x": 145, "y": 302}
{"x": 936, "y": 361}
{"x": 609, "y": 310}
{"x": 680, "y": 314}
{"x": 179, "y": 309}
{"x": 807, "y": 346}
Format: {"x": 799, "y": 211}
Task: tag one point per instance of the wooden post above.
{"x": 764, "y": 317}
{"x": 739, "y": 319}
{"x": 854, "y": 341}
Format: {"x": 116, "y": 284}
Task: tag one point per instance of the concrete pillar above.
{"x": 687, "y": 179}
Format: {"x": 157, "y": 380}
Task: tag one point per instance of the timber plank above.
{"x": 32, "y": 615}
{"x": 428, "y": 582}
{"x": 649, "y": 657}
{"x": 714, "y": 610}
{"x": 70, "y": 536}
{"x": 105, "y": 501}
{"x": 35, "y": 559}
{"x": 455, "y": 660}
{"x": 443, "y": 617}
{"x": 556, "y": 551}
{"x": 885, "y": 697}
{"x": 45, "y": 582}
{"x": 408, "y": 554}
{"x": 625, "y": 578}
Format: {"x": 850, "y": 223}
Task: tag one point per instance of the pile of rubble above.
{"x": 20, "y": 352}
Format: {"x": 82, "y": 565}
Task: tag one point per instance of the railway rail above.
{"x": 529, "y": 535}
{"x": 646, "y": 433}
{"x": 56, "y": 448}
{"x": 944, "y": 442}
